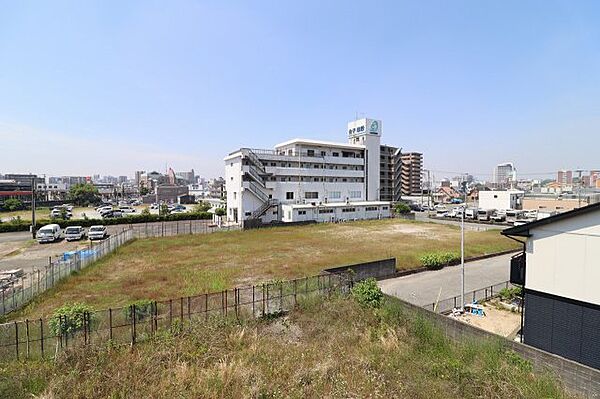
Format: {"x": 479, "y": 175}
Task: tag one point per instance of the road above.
{"x": 427, "y": 287}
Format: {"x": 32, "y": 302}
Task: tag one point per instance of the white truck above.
{"x": 97, "y": 232}
{"x": 74, "y": 233}
{"x": 48, "y": 233}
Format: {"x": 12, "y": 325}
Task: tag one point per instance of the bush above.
{"x": 402, "y": 208}
{"x": 69, "y": 318}
{"x": 220, "y": 212}
{"x": 143, "y": 309}
{"x": 12, "y": 204}
{"x": 202, "y": 207}
{"x": 367, "y": 293}
{"x": 436, "y": 260}
{"x": 508, "y": 294}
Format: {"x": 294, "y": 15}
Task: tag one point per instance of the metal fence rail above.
{"x": 482, "y": 294}
{"x": 43, "y": 338}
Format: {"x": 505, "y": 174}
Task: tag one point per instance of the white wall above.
{"x": 563, "y": 258}
{"x": 233, "y": 186}
{"x": 292, "y": 214}
{"x": 500, "y": 199}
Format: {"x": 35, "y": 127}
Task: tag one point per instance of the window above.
{"x": 348, "y": 210}
{"x": 234, "y": 195}
{"x": 248, "y": 213}
{"x": 323, "y": 153}
{"x": 335, "y": 194}
{"x": 310, "y": 153}
{"x": 384, "y": 208}
{"x": 274, "y": 212}
{"x": 289, "y": 195}
{"x": 325, "y": 211}
{"x": 301, "y": 212}
{"x": 335, "y": 154}
{"x": 273, "y": 164}
{"x": 354, "y": 194}
{"x": 371, "y": 208}
{"x": 312, "y": 195}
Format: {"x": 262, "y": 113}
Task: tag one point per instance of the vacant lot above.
{"x": 189, "y": 265}
{"x": 330, "y": 349}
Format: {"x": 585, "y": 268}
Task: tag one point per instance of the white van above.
{"x": 48, "y": 233}
{"x": 74, "y": 233}
{"x": 471, "y": 213}
{"x": 484, "y": 214}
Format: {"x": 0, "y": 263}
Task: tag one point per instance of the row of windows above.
{"x": 318, "y": 179}
{"x": 315, "y": 194}
{"x": 314, "y": 166}
{"x": 322, "y": 153}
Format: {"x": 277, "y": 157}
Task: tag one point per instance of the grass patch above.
{"x": 162, "y": 268}
{"x": 328, "y": 349}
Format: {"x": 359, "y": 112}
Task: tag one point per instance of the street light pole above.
{"x": 462, "y": 260}
{"x": 33, "y": 182}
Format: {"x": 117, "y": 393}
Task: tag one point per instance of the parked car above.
{"x": 115, "y": 213}
{"x": 126, "y": 209}
{"x": 471, "y": 213}
{"x": 97, "y": 232}
{"x": 48, "y": 233}
{"x": 456, "y": 201}
{"x": 154, "y": 206}
{"x": 74, "y": 233}
{"x": 484, "y": 214}
{"x": 59, "y": 213}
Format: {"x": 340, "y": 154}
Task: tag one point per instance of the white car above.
{"x": 97, "y": 232}
{"x": 48, "y": 233}
{"x": 126, "y": 209}
{"x": 58, "y": 213}
{"x": 74, "y": 233}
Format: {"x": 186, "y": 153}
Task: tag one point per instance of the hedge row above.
{"x": 436, "y": 260}
{"x": 131, "y": 219}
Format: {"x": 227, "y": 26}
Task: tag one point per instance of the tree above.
{"x": 12, "y": 204}
{"x": 220, "y": 212}
{"x": 401, "y": 208}
{"x": 144, "y": 190}
{"x": 163, "y": 210}
{"x": 84, "y": 194}
{"x": 202, "y": 207}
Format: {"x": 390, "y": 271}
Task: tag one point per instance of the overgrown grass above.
{"x": 323, "y": 349}
{"x": 164, "y": 268}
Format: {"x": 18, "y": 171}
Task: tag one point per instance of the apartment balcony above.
{"x": 316, "y": 172}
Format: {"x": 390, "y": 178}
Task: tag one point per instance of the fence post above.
{"x": 253, "y": 307}
{"x": 295, "y": 298}
{"x": 155, "y": 321}
{"x": 85, "y": 328}
{"x": 206, "y": 306}
{"x": 110, "y": 324}
{"x": 133, "y": 317}
{"x": 27, "y": 337}
{"x": 281, "y": 296}
{"x": 263, "y": 300}
{"x": 226, "y": 304}
{"x": 235, "y": 302}
{"x": 181, "y": 309}
{"x": 189, "y": 308}
{"x": 42, "y": 337}
{"x": 59, "y": 337}
{"x": 171, "y": 315}
{"x": 17, "y": 339}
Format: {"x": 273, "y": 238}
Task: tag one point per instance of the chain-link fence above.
{"x": 20, "y": 289}
{"x": 482, "y": 294}
{"x": 45, "y": 337}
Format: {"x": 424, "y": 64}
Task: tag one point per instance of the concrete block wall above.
{"x": 576, "y": 378}
{"x": 377, "y": 269}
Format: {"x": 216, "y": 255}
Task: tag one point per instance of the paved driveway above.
{"x": 427, "y": 287}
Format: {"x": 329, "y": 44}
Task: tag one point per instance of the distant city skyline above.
{"x": 111, "y": 87}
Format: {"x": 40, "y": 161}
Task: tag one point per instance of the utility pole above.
{"x": 462, "y": 259}
{"x": 33, "y": 182}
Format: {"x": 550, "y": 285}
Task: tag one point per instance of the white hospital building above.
{"x": 302, "y": 180}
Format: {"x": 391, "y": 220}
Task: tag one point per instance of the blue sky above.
{"x": 111, "y": 87}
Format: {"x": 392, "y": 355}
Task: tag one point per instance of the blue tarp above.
{"x": 84, "y": 253}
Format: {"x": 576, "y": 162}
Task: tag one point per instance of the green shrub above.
{"x": 402, "y": 208}
{"x": 436, "y": 260}
{"x": 69, "y": 318}
{"x": 367, "y": 293}
{"x": 508, "y": 294}
{"x": 143, "y": 309}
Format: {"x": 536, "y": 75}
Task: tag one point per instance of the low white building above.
{"x": 260, "y": 183}
{"x": 336, "y": 211}
{"x": 560, "y": 271}
{"x": 501, "y": 199}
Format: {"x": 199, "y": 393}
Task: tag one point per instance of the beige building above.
{"x": 553, "y": 204}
